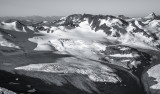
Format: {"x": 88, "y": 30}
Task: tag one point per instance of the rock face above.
{"x": 127, "y": 57}
{"x": 96, "y": 49}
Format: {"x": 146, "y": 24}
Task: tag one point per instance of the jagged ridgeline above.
{"x": 123, "y": 30}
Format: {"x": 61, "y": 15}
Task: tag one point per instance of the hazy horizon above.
{"x": 131, "y": 8}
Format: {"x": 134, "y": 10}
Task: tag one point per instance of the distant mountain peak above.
{"x": 122, "y": 17}
{"x": 151, "y": 15}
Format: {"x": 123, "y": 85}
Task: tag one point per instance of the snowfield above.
{"x": 95, "y": 71}
{"x": 6, "y": 43}
{"x": 123, "y": 55}
{"x": 154, "y": 72}
{"x": 79, "y": 72}
{"x": 9, "y": 26}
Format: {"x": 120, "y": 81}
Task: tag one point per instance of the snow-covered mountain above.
{"x": 135, "y": 32}
{"x": 82, "y": 35}
{"x": 96, "y": 44}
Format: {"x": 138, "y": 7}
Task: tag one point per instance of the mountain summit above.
{"x": 151, "y": 16}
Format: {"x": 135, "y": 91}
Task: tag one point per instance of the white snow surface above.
{"x": 124, "y": 55}
{"x": 31, "y": 28}
{"x": 94, "y": 70}
{"x": 135, "y": 63}
{"x": 154, "y": 72}
{"x": 4, "y": 42}
{"x": 79, "y": 40}
{"x": 10, "y": 26}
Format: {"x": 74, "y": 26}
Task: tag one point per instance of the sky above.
{"x": 129, "y": 8}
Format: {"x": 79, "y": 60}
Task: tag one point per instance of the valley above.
{"x": 80, "y": 54}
